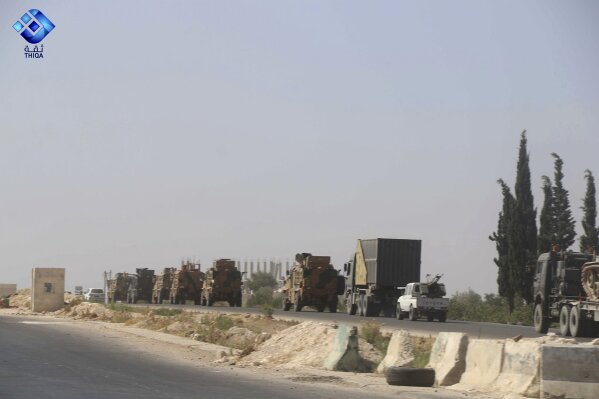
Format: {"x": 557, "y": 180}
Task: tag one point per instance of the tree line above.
{"x": 517, "y": 239}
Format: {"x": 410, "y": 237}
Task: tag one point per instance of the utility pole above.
{"x": 107, "y": 278}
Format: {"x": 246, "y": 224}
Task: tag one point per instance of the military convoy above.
{"x": 370, "y": 284}
{"x": 312, "y": 282}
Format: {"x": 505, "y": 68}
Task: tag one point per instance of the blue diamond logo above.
{"x": 38, "y": 29}
{"x": 34, "y": 26}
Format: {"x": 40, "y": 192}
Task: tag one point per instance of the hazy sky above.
{"x": 154, "y": 131}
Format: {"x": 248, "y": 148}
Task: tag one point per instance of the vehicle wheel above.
{"x": 564, "y": 321}
{"x": 410, "y": 376}
{"x": 577, "y": 322}
{"x": 413, "y": 314}
{"x": 333, "y": 305}
{"x": 398, "y": 312}
{"x": 442, "y": 317}
{"x": 298, "y": 304}
{"x": 351, "y": 307}
{"x": 430, "y": 317}
{"x": 360, "y": 305}
{"x": 367, "y": 307}
{"x": 540, "y": 320}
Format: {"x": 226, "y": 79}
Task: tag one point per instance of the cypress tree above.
{"x": 546, "y": 222}
{"x": 524, "y": 226}
{"x": 502, "y": 243}
{"x": 590, "y": 239}
{"x": 564, "y": 222}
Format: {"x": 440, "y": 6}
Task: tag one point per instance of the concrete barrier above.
{"x": 483, "y": 365}
{"x": 7, "y": 289}
{"x": 569, "y": 371}
{"x": 344, "y": 356}
{"x": 399, "y": 351}
{"x": 448, "y": 357}
{"x": 520, "y": 368}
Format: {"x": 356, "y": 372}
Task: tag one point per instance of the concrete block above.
{"x": 569, "y": 371}
{"x": 47, "y": 292}
{"x": 520, "y": 369}
{"x": 399, "y": 351}
{"x": 448, "y": 357}
{"x": 483, "y": 364}
{"x": 7, "y": 289}
{"x": 344, "y": 355}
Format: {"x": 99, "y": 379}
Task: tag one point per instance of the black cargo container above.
{"x": 392, "y": 262}
{"x": 373, "y": 275}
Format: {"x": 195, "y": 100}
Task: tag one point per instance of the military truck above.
{"x": 118, "y": 287}
{"x": 223, "y": 283}
{"x": 141, "y": 285}
{"x": 566, "y": 291}
{"x": 162, "y": 285}
{"x": 375, "y": 272}
{"x": 187, "y": 284}
{"x": 424, "y": 299}
{"x": 312, "y": 282}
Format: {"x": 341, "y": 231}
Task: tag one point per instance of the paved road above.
{"x": 53, "y": 360}
{"x": 474, "y": 330}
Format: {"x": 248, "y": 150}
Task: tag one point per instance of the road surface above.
{"x": 50, "y": 358}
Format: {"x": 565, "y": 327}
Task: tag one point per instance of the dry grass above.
{"x": 422, "y": 347}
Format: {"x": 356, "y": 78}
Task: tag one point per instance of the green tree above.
{"x": 502, "y": 243}
{"x": 564, "y": 233}
{"x": 524, "y": 225}
{"x": 546, "y": 225}
{"x": 261, "y": 279}
{"x": 590, "y": 238}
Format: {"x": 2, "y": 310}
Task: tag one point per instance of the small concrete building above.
{"x": 7, "y": 289}
{"x": 47, "y": 289}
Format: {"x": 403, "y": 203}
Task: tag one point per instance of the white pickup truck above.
{"x": 423, "y": 299}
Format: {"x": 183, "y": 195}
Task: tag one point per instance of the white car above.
{"x": 94, "y": 295}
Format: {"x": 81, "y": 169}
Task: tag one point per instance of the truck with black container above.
{"x": 376, "y": 271}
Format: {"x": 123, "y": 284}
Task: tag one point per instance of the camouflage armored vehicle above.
{"x": 312, "y": 282}
{"x": 223, "y": 283}
{"x": 118, "y": 287}
{"x": 162, "y": 285}
{"x": 140, "y": 286}
{"x": 187, "y": 284}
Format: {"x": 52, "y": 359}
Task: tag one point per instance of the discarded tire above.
{"x": 410, "y": 376}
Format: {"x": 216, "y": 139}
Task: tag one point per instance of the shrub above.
{"x": 167, "y": 312}
{"x": 260, "y": 280}
{"x": 370, "y": 331}
{"x": 470, "y": 306}
{"x": 265, "y": 297}
{"x": 223, "y": 322}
